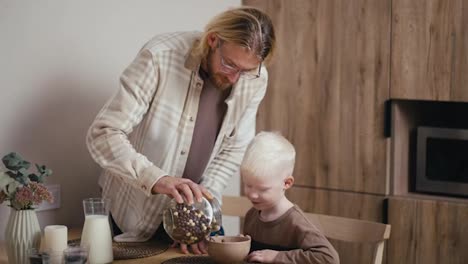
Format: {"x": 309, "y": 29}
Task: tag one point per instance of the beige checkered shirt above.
{"x": 145, "y": 130}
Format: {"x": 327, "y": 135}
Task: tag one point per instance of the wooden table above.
{"x": 73, "y": 234}
{"x": 168, "y": 254}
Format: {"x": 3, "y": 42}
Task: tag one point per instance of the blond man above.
{"x": 179, "y": 124}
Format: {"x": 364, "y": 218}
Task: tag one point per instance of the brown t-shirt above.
{"x": 211, "y": 111}
{"x": 297, "y": 239}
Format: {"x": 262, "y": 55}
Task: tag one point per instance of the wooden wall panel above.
{"x": 327, "y": 88}
{"x": 427, "y": 231}
{"x": 347, "y": 204}
{"x": 429, "y": 50}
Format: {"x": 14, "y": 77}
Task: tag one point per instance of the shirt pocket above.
{"x": 231, "y": 133}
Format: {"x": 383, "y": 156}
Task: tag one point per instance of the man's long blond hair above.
{"x": 244, "y": 26}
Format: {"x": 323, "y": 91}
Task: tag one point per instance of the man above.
{"x": 181, "y": 120}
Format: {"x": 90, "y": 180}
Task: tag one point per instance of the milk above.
{"x": 97, "y": 238}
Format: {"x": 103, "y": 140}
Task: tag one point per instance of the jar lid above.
{"x": 189, "y": 224}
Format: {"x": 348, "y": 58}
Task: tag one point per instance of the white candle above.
{"x": 55, "y": 237}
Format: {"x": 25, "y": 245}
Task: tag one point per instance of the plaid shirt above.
{"x": 144, "y": 132}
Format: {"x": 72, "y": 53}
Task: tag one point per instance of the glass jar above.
{"x": 189, "y": 224}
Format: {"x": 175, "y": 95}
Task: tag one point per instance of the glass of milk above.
{"x": 96, "y": 234}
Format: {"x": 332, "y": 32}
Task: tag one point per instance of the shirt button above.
{"x": 191, "y": 119}
{"x": 199, "y": 85}
{"x": 182, "y": 152}
{"x": 143, "y": 187}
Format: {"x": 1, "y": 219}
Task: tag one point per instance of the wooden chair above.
{"x": 333, "y": 227}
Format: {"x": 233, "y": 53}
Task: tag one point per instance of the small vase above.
{"x": 22, "y": 233}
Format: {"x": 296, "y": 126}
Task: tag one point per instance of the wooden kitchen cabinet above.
{"x": 427, "y": 231}
{"x": 346, "y": 204}
{"x": 337, "y": 63}
{"x": 429, "y": 50}
{"x": 327, "y": 88}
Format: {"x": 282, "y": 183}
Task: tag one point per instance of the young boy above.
{"x": 279, "y": 229}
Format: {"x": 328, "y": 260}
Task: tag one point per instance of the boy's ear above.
{"x": 288, "y": 182}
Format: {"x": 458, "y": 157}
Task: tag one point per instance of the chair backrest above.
{"x": 333, "y": 227}
{"x": 353, "y": 230}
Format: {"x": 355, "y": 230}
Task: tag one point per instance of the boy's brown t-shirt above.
{"x": 297, "y": 239}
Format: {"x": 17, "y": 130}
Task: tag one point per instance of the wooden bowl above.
{"x": 228, "y": 249}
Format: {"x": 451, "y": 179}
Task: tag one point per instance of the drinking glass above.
{"x": 75, "y": 254}
{"x": 38, "y": 257}
{"x": 96, "y": 231}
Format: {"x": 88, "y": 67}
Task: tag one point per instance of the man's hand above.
{"x": 264, "y": 256}
{"x": 180, "y": 188}
{"x": 197, "y": 248}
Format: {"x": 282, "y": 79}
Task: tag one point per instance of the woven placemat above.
{"x": 193, "y": 260}
{"x": 190, "y": 260}
{"x": 134, "y": 250}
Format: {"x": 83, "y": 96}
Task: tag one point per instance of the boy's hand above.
{"x": 263, "y": 256}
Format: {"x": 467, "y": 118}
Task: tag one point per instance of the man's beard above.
{"x": 219, "y": 79}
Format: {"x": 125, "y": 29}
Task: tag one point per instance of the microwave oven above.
{"x": 442, "y": 161}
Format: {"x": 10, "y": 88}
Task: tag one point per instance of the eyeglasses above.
{"x": 230, "y": 69}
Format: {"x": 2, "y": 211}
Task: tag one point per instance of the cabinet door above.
{"x": 427, "y": 231}
{"x": 346, "y": 204}
{"x": 429, "y": 50}
{"x": 327, "y": 88}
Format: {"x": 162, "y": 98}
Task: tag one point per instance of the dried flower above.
{"x": 24, "y": 190}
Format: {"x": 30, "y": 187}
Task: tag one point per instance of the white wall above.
{"x": 59, "y": 62}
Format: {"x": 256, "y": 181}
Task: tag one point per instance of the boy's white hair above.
{"x": 269, "y": 155}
